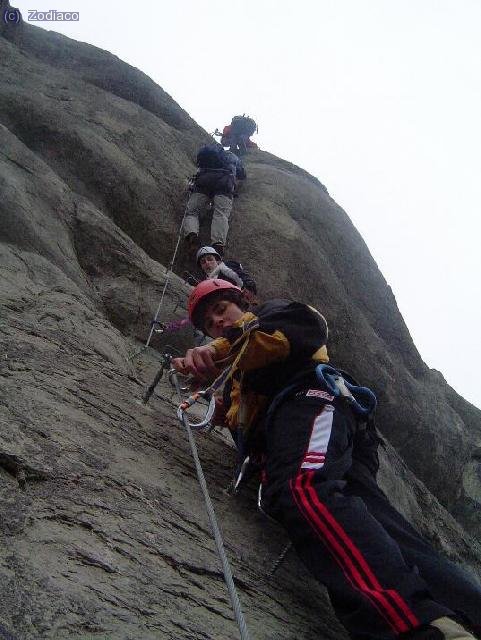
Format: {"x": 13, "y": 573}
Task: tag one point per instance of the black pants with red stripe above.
{"x": 382, "y": 577}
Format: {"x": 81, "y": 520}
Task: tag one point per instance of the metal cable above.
{"x": 234, "y": 598}
{"x": 167, "y": 278}
{"x": 169, "y": 272}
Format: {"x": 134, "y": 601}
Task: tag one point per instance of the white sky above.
{"x": 379, "y": 99}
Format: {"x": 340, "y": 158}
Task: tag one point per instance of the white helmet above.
{"x": 207, "y": 251}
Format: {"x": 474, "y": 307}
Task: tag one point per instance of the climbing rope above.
{"x": 229, "y": 580}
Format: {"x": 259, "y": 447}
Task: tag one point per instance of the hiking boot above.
{"x": 219, "y": 247}
{"x": 439, "y": 629}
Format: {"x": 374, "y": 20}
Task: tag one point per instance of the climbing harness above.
{"x": 361, "y": 399}
{"x": 181, "y": 413}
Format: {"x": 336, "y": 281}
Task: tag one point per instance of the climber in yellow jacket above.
{"x": 319, "y": 456}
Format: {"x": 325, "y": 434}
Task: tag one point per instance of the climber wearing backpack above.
{"x": 212, "y": 266}
{"x": 215, "y": 181}
{"x": 313, "y": 429}
{"x": 237, "y": 134}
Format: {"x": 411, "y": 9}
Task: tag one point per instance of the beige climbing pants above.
{"x": 197, "y": 205}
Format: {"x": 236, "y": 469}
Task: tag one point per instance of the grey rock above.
{"x": 103, "y": 529}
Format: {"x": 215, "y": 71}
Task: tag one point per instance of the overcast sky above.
{"x": 379, "y": 99}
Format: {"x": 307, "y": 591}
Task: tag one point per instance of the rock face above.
{"x": 104, "y": 532}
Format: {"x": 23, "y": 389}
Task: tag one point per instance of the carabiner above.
{"x": 363, "y": 394}
{"x": 240, "y": 475}
{"x": 205, "y": 424}
{"x": 157, "y": 327}
{"x": 341, "y": 388}
{"x": 172, "y": 373}
{"x": 330, "y": 378}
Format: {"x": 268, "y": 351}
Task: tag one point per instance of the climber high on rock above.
{"x": 214, "y": 182}
{"x": 312, "y": 430}
{"x": 212, "y": 266}
{"x": 236, "y": 135}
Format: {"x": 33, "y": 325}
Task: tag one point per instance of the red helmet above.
{"x": 203, "y": 291}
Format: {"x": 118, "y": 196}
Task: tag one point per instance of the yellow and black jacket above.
{"x": 269, "y": 349}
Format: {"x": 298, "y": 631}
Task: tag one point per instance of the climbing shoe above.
{"x": 439, "y": 629}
